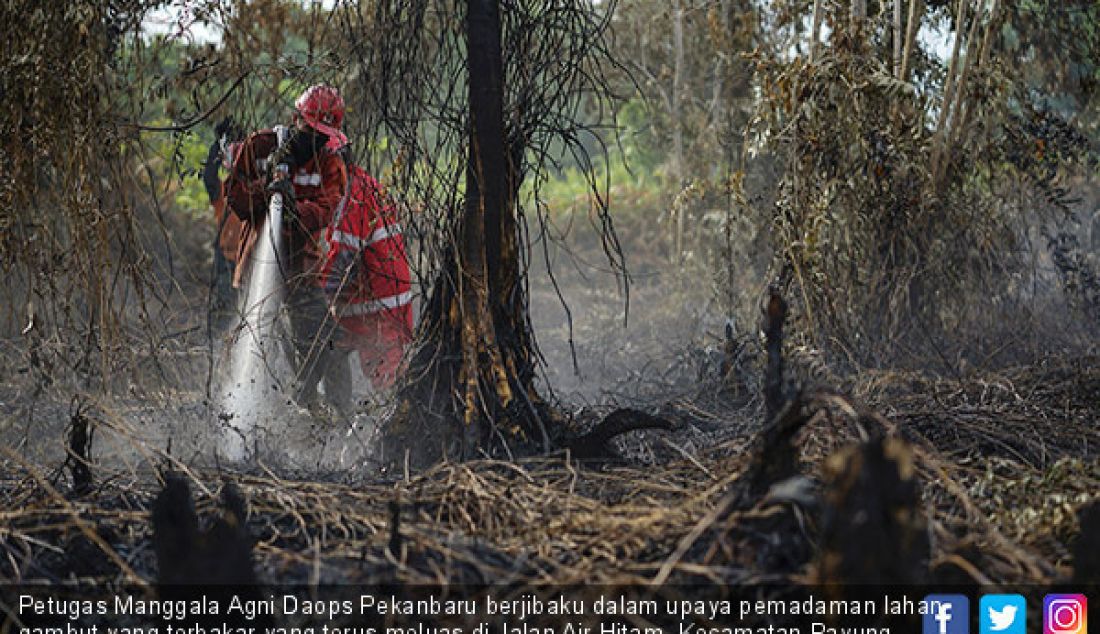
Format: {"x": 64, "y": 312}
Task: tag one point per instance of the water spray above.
{"x": 259, "y": 371}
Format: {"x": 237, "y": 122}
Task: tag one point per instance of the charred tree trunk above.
{"x": 874, "y": 530}
{"x": 471, "y": 380}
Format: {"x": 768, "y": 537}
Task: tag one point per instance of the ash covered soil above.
{"x": 987, "y": 476}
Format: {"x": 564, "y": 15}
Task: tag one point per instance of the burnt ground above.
{"x": 982, "y": 476}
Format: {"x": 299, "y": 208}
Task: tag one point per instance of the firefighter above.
{"x": 307, "y": 168}
{"x": 366, "y": 275}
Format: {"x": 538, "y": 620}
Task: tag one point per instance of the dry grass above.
{"x": 1004, "y": 461}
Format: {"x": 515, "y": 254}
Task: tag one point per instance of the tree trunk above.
{"x": 898, "y": 36}
{"x": 677, "y": 118}
{"x": 964, "y": 109}
{"x": 949, "y": 81}
{"x": 859, "y": 27}
{"x": 916, "y": 14}
{"x": 470, "y": 385}
{"x": 954, "y": 93}
{"x": 859, "y": 11}
{"x": 815, "y": 31}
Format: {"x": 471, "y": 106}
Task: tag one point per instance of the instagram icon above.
{"x": 1065, "y": 614}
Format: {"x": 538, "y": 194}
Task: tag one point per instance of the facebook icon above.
{"x": 946, "y": 614}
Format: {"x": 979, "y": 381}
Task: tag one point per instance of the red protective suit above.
{"x": 319, "y": 186}
{"x": 366, "y": 274}
{"x": 229, "y": 230}
{"x": 228, "y": 224}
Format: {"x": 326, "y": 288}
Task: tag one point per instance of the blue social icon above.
{"x": 946, "y": 614}
{"x": 1002, "y": 614}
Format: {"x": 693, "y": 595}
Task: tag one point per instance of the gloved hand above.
{"x": 284, "y": 187}
{"x": 226, "y": 128}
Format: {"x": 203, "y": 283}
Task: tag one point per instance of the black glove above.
{"x": 226, "y": 128}
{"x": 286, "y": 188}
{"x": 210, "y": 178}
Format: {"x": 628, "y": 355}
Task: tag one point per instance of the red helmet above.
{"x": 322, "y": 108}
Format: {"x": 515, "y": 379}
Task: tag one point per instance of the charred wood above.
{"x": 775, "y": 314}
{"x": 185, "y": 555}
{"x": 874, "y": 528}
{"x": 1086, "y": 547}
{"x": 595, "y": 445}
{"x": 79, "y": 453}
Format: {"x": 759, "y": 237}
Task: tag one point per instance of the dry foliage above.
{"x": 907, "y": 208}
{"x": 1001, "y": 508}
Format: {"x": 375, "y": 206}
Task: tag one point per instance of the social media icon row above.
{"x": 1004, "y": 614}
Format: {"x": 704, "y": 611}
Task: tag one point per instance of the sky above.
{"x": 177, "y": 19}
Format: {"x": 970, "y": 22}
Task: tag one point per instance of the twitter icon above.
{"x": 1002, "y": 614}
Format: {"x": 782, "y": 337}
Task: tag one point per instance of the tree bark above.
{"x": 677, "y": 122}
{"x": 965, "y": 109}
{"x": 474, "y": 368}
{"x": 815, "y": 33}
{"x": 954, "y": 94}
{"x": 859, "y": 9}
{"x": 898, "y": 36}
{"x": 916, "y": 13}
{"x": 952, "y": 66}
